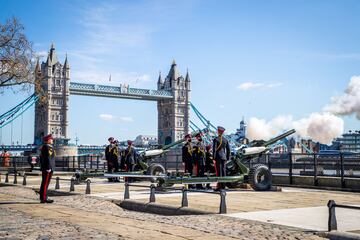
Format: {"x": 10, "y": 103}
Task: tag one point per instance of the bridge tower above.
{"x": 173, "y": 114}
{"x": 52, "y": 80}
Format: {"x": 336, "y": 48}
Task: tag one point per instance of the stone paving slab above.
{"x": 312, "y": 218}
{"x": 85, "y": 217}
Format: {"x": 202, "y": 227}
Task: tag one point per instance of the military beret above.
{"x": 47, "y": 137}
{"x": 187, "y": 136}
{"x": 221, "y": 129}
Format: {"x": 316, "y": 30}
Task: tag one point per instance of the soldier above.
{"x": 47, "y": 162}
{"x": 114, "y": 156}
{"x": 108, "y": 154}
{"x": 109, "y": 157}
{"x": 187, "y": 152}
{"x": 209, "y": 163}
{"x": 130, "y": 157}
{"x": 122, "y": 160}
{"x": 6, "y": 158}
{"x": 221, "y": 153}
{"x": 199, "y": 158}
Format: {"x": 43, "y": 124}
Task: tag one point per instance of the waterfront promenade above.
{"x": 293, "y": 213}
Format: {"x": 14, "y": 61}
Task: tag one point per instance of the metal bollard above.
{"x": 332, "y": 223}
{"x": 222, "y": 202}
{"x": 87, "y": 191}
{"x": 126, "y": 192}
{"x": 6, "y": 177}
{"x": 72, "y": 185}
{"x": 15, "y": 178}
{"x": 0, "y": 177}
{"x": 184, "y": 200}
{"x": 152, "y": 193}
{"x": 24, "y": 180}
{"x": 57, "y": 184}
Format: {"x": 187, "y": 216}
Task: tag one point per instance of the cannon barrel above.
{"x": 275, "y": 139}
{"x": 147, "y": 154}
{"x": 193, "y": 134}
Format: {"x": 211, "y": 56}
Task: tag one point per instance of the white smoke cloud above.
{"x": 261, "y": 129}
{"x": 321, "y": 127}
{"x": 349, "y": 102}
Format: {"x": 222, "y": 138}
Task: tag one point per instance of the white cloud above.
{"x": 126, "y": 119}
{"x": 106, "y": 117}
{"x": 349, "y": 102}
{"x": 41, "y": 54}
{"x": 249, "y": 85}
{"x": 110, "y": 117}
{"x": 271, "y": 85}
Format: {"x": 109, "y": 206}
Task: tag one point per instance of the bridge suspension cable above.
{"x": 210, "y": 128}
{"x": 9, "y": 116}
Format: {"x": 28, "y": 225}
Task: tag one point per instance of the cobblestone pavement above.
{"x": 84, "y": 217}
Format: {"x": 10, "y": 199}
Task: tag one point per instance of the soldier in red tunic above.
{"x": 47, "y": 161}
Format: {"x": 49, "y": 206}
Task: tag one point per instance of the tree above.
{"x": 16, "y": 55}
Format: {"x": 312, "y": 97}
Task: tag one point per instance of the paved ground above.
{"x": 81, "y": 216}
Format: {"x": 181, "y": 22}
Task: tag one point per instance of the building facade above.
{"x": 349, "y": 142}
{"x": 173, "y": 114}
{"x": 145, "y": 140}
{"x": 52, "y": 85}
{"x": 52, "y": 80}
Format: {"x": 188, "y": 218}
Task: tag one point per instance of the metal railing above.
{"x": 184, "y": 191}
{"x": 332, "y": 222}
{"x": 65, "y": 163}
{"x": 57, "y": 183}
{"x": 342, "y": 165}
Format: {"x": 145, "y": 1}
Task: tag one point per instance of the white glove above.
{"x": 49, "y": 171}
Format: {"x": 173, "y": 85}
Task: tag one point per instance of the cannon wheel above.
{"x": 260, "y": 177}
{"x": 156, "y": 169}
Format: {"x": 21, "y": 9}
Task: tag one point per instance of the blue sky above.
{"x": 292, "y": 56}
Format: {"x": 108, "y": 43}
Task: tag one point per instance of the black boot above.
{"x": 47, "y": 201}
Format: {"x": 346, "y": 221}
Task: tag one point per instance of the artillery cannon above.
{"x": 146, "y": 167}
{"x": 258, "y": 176}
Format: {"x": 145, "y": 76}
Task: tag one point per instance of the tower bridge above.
{"x": 53, "y": 84}
{"x": 118, "y": 92}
